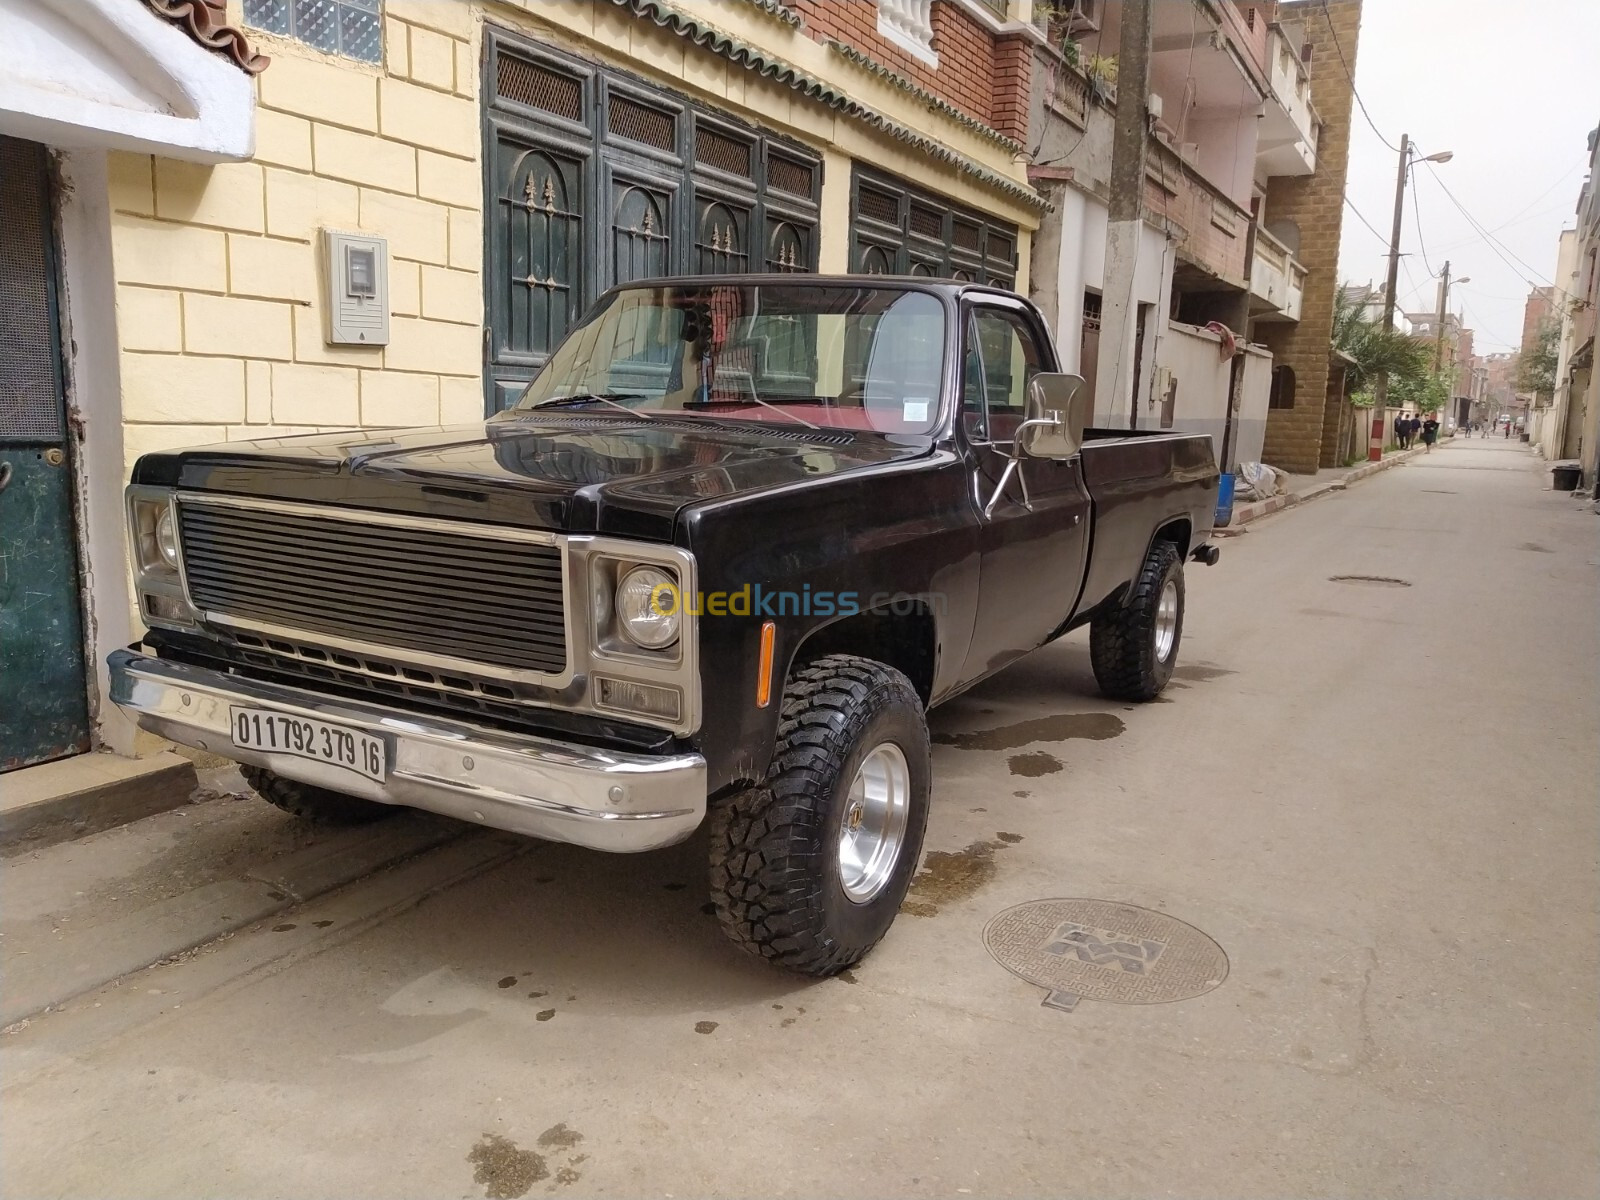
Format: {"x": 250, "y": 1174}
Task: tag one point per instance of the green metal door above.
{"x": 43, "y": 704}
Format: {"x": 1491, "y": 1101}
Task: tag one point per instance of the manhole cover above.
{"x": 1102, "y": 950}
{"x": 1369, "y": 580}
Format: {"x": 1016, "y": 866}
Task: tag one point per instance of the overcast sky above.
{"x": 1513, "y": 88}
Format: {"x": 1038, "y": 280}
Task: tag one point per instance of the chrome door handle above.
{"x": 5, "y": 475}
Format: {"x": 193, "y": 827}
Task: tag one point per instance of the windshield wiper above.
{"x": 604, "y": 398}
{"x": 745, "y": 402}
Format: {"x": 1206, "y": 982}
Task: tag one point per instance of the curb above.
{"x": 1243, "y": 514}
{"x": 72, "y": 797}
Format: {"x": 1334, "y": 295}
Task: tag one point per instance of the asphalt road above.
{"x": 1379, "y": 801}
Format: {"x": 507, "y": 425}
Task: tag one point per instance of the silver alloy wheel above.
{"x": 1166, "y": 620}
{"x": 873, "y": 829}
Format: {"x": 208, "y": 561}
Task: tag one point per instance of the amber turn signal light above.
{"x": 764, "y": 671}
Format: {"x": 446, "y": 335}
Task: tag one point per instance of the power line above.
{"x": 1350, "y": 75}
{"x": 1477, "y": 325}
{"x": 1417, "y": 212}
{"x": 1364, "y": 221}
{"x": 1494, "y": 243}
{"x": 1566, "y": 175}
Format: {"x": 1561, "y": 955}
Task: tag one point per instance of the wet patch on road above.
{"x": 1032, "y": 766}
{"x": 545, "y": 1015}
{"x": 508, "y": 982}
{"x": 1536, "y": 548}
{"x": 1370, "y": 580}
{"x": 1200, "y": 672}
{"x": 705, "y": 1026}
{"x": 950, "y": 876}
{"x": 1063, "y": 727}
{"x": 559, "y": 1137}
{"x": 503, "y": 1169}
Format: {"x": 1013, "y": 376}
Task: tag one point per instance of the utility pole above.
{"x": 1438, "y": 332}
{"x": 1380, "y": 386}
{"x": 1124, "y": 223}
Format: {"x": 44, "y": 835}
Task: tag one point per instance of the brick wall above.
{"x": 1315, "y": 203}
{"x": 984, "y": 76}
{"x": 219, "y": 310}
{"x": 1535, "y": 314}
{"x": 1211, "y": 229}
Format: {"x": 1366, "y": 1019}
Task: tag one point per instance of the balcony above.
{"x": 909, "y": 25}
{"x": 1277, "y": 280}
{"x": 1208, "y": 226}
{"x": 1290, "y": 127}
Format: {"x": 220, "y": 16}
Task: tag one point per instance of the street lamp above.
{"x": 1380, "y": 386}
{"x": 1444, "y": 300}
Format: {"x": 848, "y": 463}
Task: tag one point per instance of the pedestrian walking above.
{"x": 1430, "y": 432}
{"x": 1401, "y": 428}
{"x": 1508, "y": 431}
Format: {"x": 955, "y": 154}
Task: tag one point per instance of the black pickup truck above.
{"x": 735, "y": 540}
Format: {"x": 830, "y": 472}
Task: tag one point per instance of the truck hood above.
{"x": 568, "y": 472}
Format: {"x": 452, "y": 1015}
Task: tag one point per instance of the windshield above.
{"x": 807, "y": 354}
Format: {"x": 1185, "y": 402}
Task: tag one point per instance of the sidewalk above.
{"x": 78, "y": 914}
{"x": 1304, "y": 488}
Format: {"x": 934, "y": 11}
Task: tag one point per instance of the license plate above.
{"x": 305, "y": 737}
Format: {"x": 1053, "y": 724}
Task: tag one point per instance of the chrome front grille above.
{"x": 446, "y": 590}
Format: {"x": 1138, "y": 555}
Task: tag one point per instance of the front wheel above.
{"x": 808, "y": 870}
{"x": 1134, "y": 648}
{"x": 312, "y": 803}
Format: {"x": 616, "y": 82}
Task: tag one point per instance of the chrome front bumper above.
{"x": 603, "y": 799}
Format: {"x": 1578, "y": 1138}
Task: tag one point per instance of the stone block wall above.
{"x": 1297, "y": 438}
{"x": 219, "y": 304}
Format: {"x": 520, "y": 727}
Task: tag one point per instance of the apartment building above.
{"x": 1222, "y": 282}
{"x": 238, "y": 219}
{"x": 1569, "y": 426}
{"x": 1452, "y": 342}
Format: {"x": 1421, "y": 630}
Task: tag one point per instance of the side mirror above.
{"x": 1053, "y": 418}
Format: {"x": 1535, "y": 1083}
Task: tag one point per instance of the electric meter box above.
{"x": 356, "y": 266}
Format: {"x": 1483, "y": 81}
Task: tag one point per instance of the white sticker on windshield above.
{"x": 914, "y": 410}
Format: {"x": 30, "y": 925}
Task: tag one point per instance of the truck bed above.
{"x": 1141, "y": 481}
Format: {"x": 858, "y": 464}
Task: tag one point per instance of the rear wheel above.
{"x": 312, "y": 803}
{"x": 1134, "y": 648}
{"x": 809, "y": 869}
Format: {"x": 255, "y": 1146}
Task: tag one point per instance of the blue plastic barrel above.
{"x": 1224, "y": 499}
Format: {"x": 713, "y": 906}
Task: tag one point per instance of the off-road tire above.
{"x": 312, "y": 803}
{"x": 774, "y": 848}
{"x": 1122, "y": 643}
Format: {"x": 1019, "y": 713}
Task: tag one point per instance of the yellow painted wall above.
{"x": 219, "y": 305}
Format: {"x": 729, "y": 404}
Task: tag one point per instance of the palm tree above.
{"x": 1375, "y": 348}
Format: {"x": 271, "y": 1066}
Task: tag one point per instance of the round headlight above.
{"x": 649, "y": 607}
{"x": 167, "y": 538}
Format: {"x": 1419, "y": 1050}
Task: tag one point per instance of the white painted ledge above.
{"x": 112, "y": 75}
